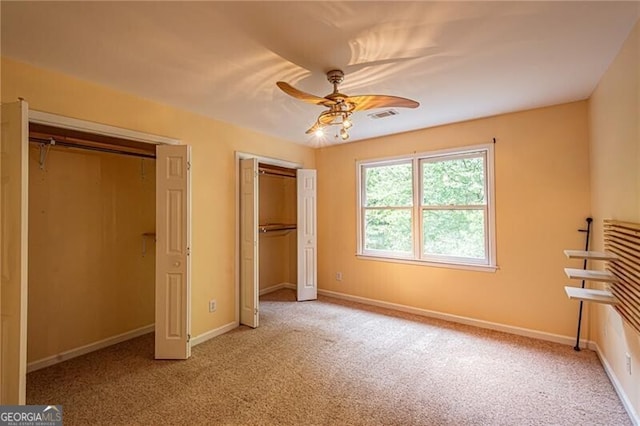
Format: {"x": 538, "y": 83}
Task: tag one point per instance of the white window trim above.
{"x": 445, "y": 261}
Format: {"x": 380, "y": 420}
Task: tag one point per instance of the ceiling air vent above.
{"x": 383, "y": 114}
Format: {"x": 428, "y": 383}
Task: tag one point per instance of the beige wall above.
{"x": 213, "y": 168}
{"x": 88, "y": 277}
{"x": 614, "y": 118}
{"x": 277, "y": 204}
{"x": 542, "y": 198}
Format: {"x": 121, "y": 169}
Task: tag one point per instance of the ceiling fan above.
{"x": 342, "y": 106}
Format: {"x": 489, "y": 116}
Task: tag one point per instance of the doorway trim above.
{"x": 41, "y": 117}
{"x": 239, "y": 155}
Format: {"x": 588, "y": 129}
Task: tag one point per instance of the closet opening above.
{"x": 91, "y": 242}
{"x": 63, "y": 218}
{"x": 277, "y": 239}
{"x": 277, "y": 228}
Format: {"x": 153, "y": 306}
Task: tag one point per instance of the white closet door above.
{"x": 173, "y": 266}
{"x": 307, "y": 238}
{"x": 14, "y": 172}
{"x": 249, "y": 261}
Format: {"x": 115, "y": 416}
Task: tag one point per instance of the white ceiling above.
{"x": 460, "y": 60}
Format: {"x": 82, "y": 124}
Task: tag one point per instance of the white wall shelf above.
{"x": 590, "y": 255}
{"x": 270, "y": 227}
{"x": 590, "y": 275}
{"x": 590, "y": 295}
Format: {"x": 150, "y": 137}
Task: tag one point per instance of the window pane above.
{"x": 388, "y": 186}
{"x": 388, "y": 230}
{"x": 457, "y": 233}
{"x": 457, "y": 182}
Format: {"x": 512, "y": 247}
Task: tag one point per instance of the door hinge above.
{"x": 188, "y": 165}
{"x": 188, "y": 251}
{"x": 255, "y": 311}
{"x": 188, "y": 338}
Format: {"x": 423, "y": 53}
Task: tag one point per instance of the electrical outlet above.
{"x": 628, "y": 363}
{"x": 338, "y": 276}
{"x": 212, "y": 305}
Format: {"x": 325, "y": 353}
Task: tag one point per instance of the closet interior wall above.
{"x": 91, "y": 270}
{"x": 277, "y": 248}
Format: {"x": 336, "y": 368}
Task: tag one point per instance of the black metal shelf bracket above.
{"x": 584, "y": 266}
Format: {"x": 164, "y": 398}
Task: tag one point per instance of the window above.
{"x": 388, "y": 209}
{"x": 432, "y": 207}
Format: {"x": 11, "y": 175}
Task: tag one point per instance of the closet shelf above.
{"x": 590, "y": 295}
{"x": 590, "y": 275}
{"x": 270, "y": 227}
{"x": 591, "y": 255}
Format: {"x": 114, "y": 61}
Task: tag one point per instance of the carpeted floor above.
{"x": 332, "y": 362}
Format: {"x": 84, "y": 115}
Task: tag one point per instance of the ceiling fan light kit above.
{"x": 340, "y": 106}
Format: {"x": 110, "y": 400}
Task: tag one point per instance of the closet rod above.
{"x": 88, "y": 147}
{"x": 274, "y": 173}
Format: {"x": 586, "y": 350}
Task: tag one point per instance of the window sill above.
{"x": 461, "y": 266}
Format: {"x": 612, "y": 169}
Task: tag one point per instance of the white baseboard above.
{"x": 276, "y": 287}
{"x": 635, "y": 418}
{"x": 82, "y": 350}
{"x": 213, "y": 333}
{"x": 557, "y": 338}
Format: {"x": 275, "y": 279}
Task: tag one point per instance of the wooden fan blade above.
{"x": 313, "y": 128}
{"x": 303, "y": 96}
{"x": 380, "y": 101}
{"x": 325, "y": 119}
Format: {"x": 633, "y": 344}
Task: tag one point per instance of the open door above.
{"x": 173, "y": 264}
{"x": 14, "y": 174}
{"x": 307, "y": 238}
{"x": 249, "y": 242}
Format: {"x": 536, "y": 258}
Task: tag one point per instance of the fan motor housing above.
{"x": 335, "y": 76}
